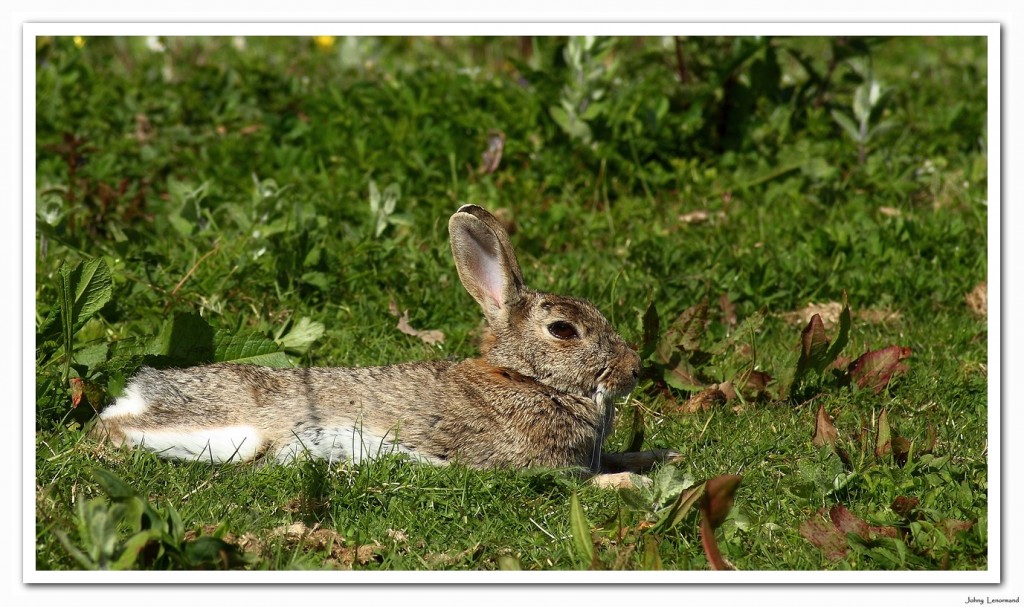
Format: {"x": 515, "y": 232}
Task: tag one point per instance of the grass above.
{"x": 225, "y": 185}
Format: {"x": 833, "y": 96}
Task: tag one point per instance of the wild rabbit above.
{"x": 540, "y": 394}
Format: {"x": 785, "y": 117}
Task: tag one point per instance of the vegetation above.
{"x": 791, "y": 230}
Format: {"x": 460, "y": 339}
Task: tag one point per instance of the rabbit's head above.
{"x": 560, "y": 341}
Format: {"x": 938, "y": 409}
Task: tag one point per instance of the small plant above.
{"x": 869, "y": 104}
{"x": 382, "y": 208}
{"x": 124, "y": 531}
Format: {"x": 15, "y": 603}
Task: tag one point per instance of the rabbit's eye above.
{"x": 563, "y": 330}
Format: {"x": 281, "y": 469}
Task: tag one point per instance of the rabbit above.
{"x": 541, "y": 393}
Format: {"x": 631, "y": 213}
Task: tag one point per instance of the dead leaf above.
{"x": 249, "y": 129}
{"x": 890, "y": 212}
{"x": 718, "y": 497}
{"x": 429, "y": 337}
{"x": 830, "y": 535}
{"x": 877, "y": 317}
{"x": 753, "y": 383}
{"x": 698, "y": 216}
{"x": 620, "y": 480}
{"x": 977, "y": 299}
{"x": 825, "y": 432}
{"x": 875, "y": 369}
{"x": 143, "y": 128}
{"x": 728, "y": 310}
{"x": 491, "y": 157}
{"x": 704, "y": 400}
{"x": 77, "y": 389}
{"x": 320, "y": 539}
{"x": 715, "y": 504}
{"x": 828, "y": 313}
{"x": 951, "y": 527}
{"x": 904, "y": 506}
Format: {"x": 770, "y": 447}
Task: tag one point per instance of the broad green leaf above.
{"x": 509, "y": 563}
{"x": 249, "y": 348}
{"x": 92, "y": 287}
{"x": 582, "y": 542}
{"x": 651, "y": 328}
{"x": 848, "y": 125}
{"x": 680, "y": 508}
{"x": 112, "y": 485}
{"x": 131, "y": 549}
{"x": 187, "y": 338}
{"x": 651, "y": 560}
{"x": 883, "y": 440}
{"x": 301, "y": 335}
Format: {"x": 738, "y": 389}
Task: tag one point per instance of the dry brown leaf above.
{"x": 491, "y": 157}
{"x": 143, "y": 128}
{"x": 878, "y": 316}
{"x": 890, "y": 211}
{"x": 704, "y": 400}
{"x": 825, "y": 432}
{"x": 698, "y": 216}
{"x": 830, "y": 535}
{"x": 828, "y": 312}
{"x": 317, "y": 538}
{"x": 620, "y": 480}
{"x": 977, "y": 299}
{"x": 429, "y": 337}
{"x": 728, "y": 310}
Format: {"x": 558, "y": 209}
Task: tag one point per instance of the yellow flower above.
{"x": 79, "y": 41}
{"x": 324, "y": 42}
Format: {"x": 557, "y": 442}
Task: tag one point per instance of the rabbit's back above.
{"x": 435, "y": 411}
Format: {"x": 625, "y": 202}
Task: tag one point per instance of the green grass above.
{"x": 227, "y": 189}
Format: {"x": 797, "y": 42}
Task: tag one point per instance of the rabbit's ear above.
{"x": 485, "y": 260}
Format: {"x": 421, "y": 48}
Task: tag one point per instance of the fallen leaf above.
{"x": 876, "y": 317}
{"x": 875, "y": 369}
{"x": 753, "y": 383}
{"x": 429, "y": 337}
{"x": 828, "y": 313}
{"x": 951, "y": 527}
{"x": 831, "y": 536}
{"x": 143, "y": 128}
{"x": 77, "y": 389}
{"x": 704, "y": 400}
{"x": 620, "y": 480}
{"x": 890, "y": 212}
{"x": 825, "y": 432}
{"x": 900, "y": 450}
{"x": 317, "y": 538}
{"x": 977, "y": 299}
{"x": 715, "y": 504}
{"x": 491, "y": 157}
{"x": 728, "y": 310}
{"x": 698, "y": 216}
{"x": 719, "y": 493}
{"x": 904, "y": 506}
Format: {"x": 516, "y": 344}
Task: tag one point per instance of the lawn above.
{"x": 791, "y": 231}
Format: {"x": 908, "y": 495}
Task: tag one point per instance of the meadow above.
{"x": 791, "y": 231}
